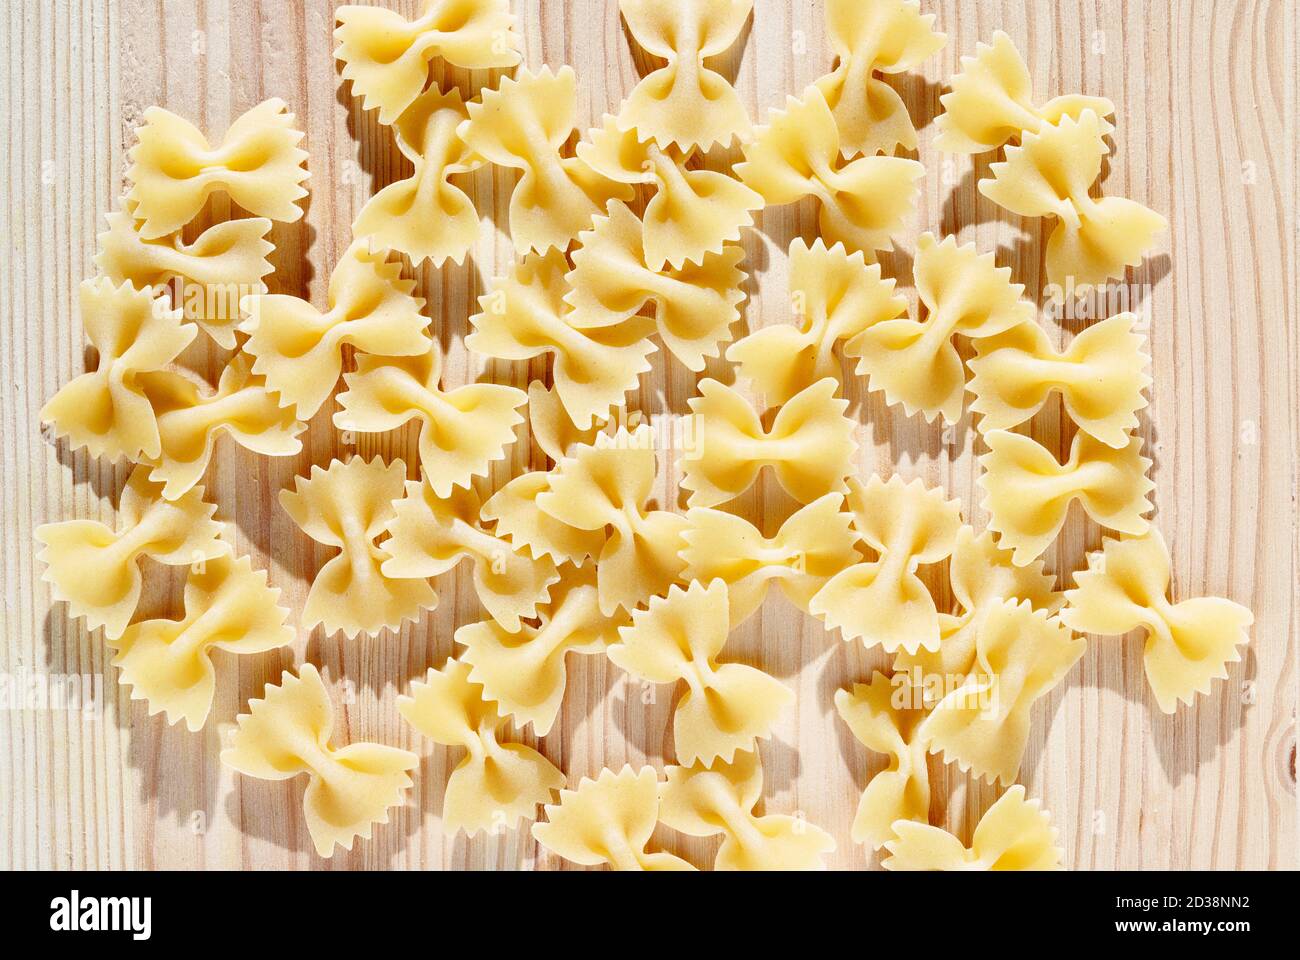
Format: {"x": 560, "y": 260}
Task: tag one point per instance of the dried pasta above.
{"x": 608, "y": 820}
{"x": 684, "y": 102}
{"x": 1028, "y": 493}
{"x": 869, "y": 37}
{"x": 348, "y": 507}
{"x": 1188, "y": 644}
{"x": 727, "y": 706}
{"x": 1101, "y": 376}
{"x": 863, "y": 202}
{"x": 809, "y": 447}
{"x": 497, "y": 783}
{"x": 387, "y": 57}
{"x": 174, "y": 169}
{"x": 168, "y": 663}
{"x": 289, "y": 732}
{"x": 719, "y": 798}
{"x": 95, "y": 568}
{"x": 834, "y": 296}
{"x": 1013, "y": 834}
{"x": 883, "y": 601}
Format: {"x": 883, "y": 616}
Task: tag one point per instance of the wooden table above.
{"x": 1206, "y": 135}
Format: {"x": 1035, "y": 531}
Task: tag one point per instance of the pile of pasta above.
{"x": 625, "y": 243}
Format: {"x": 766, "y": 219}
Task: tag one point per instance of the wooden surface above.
{"x": 1206, "y": 135}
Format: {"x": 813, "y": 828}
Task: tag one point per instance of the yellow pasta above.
{"x": 863, "y": 202}
{"x": 190, "y": 419}
{"x": 95, "y": 568}
{"x": 834, "y": 296}
{"x": 1028, "y": 493}
{"x": 106, "y": 410}
{"x": 518, "y": 519}
{"x": 991, "y": 102}
{"x": 684, "y": 102}
{"x": 430, "y": 535}
{"x": 883, "y": 717}
{"x": 462, "y": 431}
{"x": 692, "y": 214}
{"x": 348, "y": 507}
{"x": 168, "y": 663}
{"x": 1101, "y": 376}
{"x": 496, "y": 784}
{"x": 1050, "y": 175}
{"x": 608, "y": 820}
{"x": 524, "y": 124}
{"x": 815, "y": 543}
{"x": 550, "y": 425}
{"x": 983, "y": 725}
{"x": 914, "y": 362}
{"x": 727, "y": 706}
{"x": 174, "y": 169}
{"x": 719, "y": 798}
{"x": 523, "y": 670}
{"x": 224, "y": 263}
{"x": 883, "y": 601}
{"x": 387, "y": 57}
{"x": 869, "y": 37}
{"x": 525, "y": 316}
{"x": 426, "y": 216}
{"x": 298, "y": 349}
{"x": 809, "y": 446}
{"x": 1013, "y": 834}
{"x": 289, "y": 732}
{"x": 1188, "y": 644}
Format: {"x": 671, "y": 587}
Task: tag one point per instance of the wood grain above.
{"x": 1206, "y": 135}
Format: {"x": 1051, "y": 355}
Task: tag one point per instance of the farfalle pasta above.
{"x": 230, "y": 607}
{"x": 497, "y": 783}
{"x": 348, "y": 507}
{"x": 695, "y": 306}
{"x": 191, "y": 418}
{"x": 174, "y": 169}
{"x": 991, "y": 102}
{"x": 914, "y": 362}
{"x": 550, "y": 425}
{"x": 705, "y": 800}
{"x": 516, "y": 517}
{"x": 1028, "y": 493}
{"x": 290, "y": 732}
{"x": 525, "y": 316}
{"x": 426, "y": 216}
{"x": 224, "y": 263}
{"x": 885, "y": 716}
{"x": 809, "y": 447}
{"x": 1049, "y": 175}
{"x": 1013, "y": 834}
{"x": 983, "y": 725}
{"x": 523, "y": 670}
{"x": 869, "y": 37}
{"x": 608, "y": 821}
{"x": 430, "y": 535}
{"x": 883, "y": 601}
{"x": 685, "y": 103}
{"x": 1188, "y": 645}
{"x": 1101, "y": 376}
{"x": 727, "y": 706}
{"x": 863, "y": 202}
{"x": 607, "y": 487}
{"x": 834, "y": 296}
{"x": 815, "y": 543}
{"x": 693, "y": 212}
{"x": 524, "y": 124}
{"x": 387, "y": 57}
{"x": 298, "y": 349}
{"x": 462, "y": 431}
{"x": 95, "y": 568}
{"x": 106, "y": 410}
